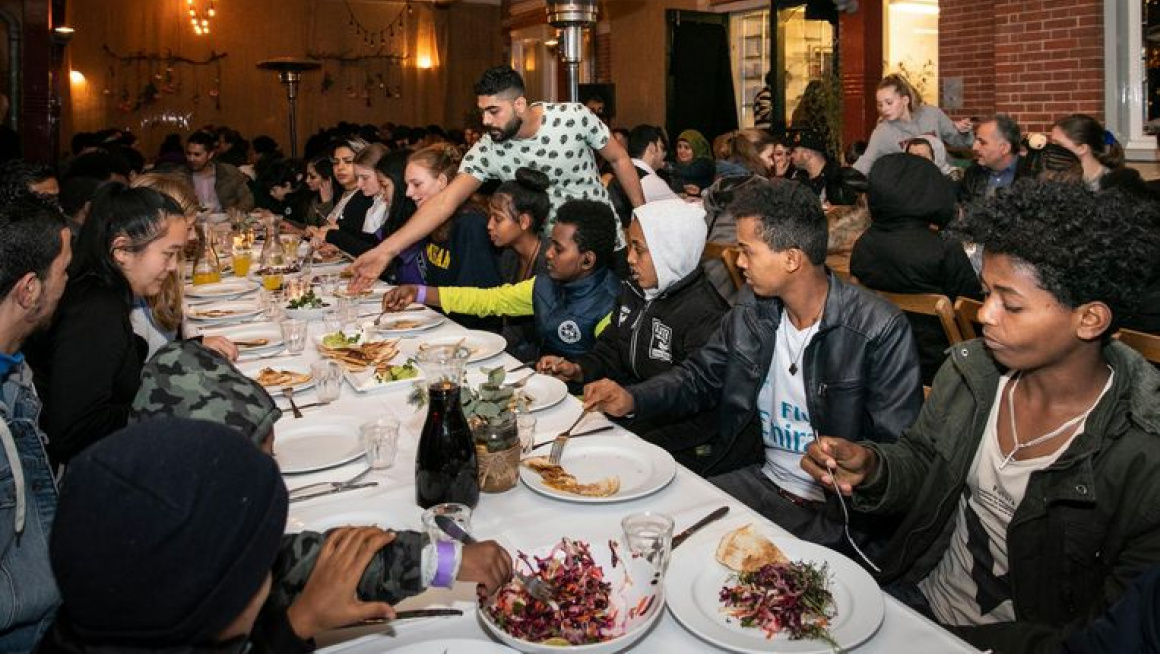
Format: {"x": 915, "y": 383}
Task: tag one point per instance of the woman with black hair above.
{"x": 322, "y": 185}
{"x": 88, "y": 364}
{"x": 391, "y": 174}
{"x": 516, "y": 215}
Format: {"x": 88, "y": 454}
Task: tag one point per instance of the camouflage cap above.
{"x": 186, "y": 380}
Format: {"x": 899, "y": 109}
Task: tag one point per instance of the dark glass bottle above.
{"x": 446, "y": 469}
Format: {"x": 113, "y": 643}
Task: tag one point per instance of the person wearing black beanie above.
{"x": 165, "y": 544}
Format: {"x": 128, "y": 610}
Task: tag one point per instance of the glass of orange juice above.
{"x": 272, "y": 280}
{"x": 243, "y": 256}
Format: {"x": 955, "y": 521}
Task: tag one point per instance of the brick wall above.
{"x": 603, "y": 49}
{"x": 1037, "y": 60}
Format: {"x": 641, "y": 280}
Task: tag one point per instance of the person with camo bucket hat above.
{"x": 312, "y": 580}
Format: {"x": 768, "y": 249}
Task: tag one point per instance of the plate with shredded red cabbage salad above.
{"x": 601, "y": 601}
{"x": 816, "y": 602}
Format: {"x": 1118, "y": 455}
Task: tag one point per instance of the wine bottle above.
{"x": 446, "y": 468}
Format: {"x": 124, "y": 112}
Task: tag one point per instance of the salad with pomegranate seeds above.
{"x": 581, "y": 610}
{"x": 790, "y": 597}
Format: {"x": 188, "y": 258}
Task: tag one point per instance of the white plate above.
{"x": 316, "y": 443}
{"x": 545, "y": 391}
{"x": 454, "y": 646}
{"x": 481, "y": 345}
{"x": 373, "y": 295}
{"x": 227, "y": 288}
{"x": 694, "y": 569}
{"x": 267, "y": 330}
{"x": 415, "y": 321}
{"x": 252, "y": 369}
{"x": 630, "y": 579}
{"x": 238, "y": 310}
{"x": 643, "y": 468}
{"x": 365, "y": 382}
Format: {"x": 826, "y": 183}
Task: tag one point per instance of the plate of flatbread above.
{"x": 601, "y": 469}
{"x": 276, "y": 376}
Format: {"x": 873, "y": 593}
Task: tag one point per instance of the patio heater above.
{"x": 571, "y": 17}
{"x": 290, "y": 72}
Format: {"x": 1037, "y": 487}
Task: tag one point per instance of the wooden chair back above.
{"x": 1144, "y": 343}
{"x": 928, "y": 304}
{"x": 727, "y": 254}
{"x": 967, "y": 316}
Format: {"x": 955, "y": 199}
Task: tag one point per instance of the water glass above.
{"x": 380, "y": 440}
{"x": 348, "y": 309}
{"x": 294, "y": 333}
{"x": 649, "y": 535}
{"x": 328, "y": 284}
{"x": 459, "y": 513}
{"x": 273, "y": 304}
{"x": 327, "y": 379}
{"x": 526, "y": 424}
{"x": 332, "y": 322}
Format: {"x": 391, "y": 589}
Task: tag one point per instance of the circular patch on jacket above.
{"x": 569, "y": 331}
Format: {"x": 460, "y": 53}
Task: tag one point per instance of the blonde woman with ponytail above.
{"x": 903, "y": 116}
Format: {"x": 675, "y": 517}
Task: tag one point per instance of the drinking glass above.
{"x": 273, "y": 304}
{"x": 526, "y": 424}
{"x": 327, "y": 379}
{"x": 290, "y": 249}
{"x": 243, "y": 256}
{"x": 459, "y": 513}
{"x": 348, "y": 309}
{"x": 380, "y": 442}
{"x": 329, "y": 284}
{"x": 649, "y": 535}
{"x": 294, "y": 333}
{"x": 332, "y": 322}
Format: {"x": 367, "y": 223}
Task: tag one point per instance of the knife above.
{"x": 332, "y": 491}
{"x": 712, "y": 517}
{"x": 404, "y": 615}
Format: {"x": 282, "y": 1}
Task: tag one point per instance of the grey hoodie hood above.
{"x": 675, "y": 231}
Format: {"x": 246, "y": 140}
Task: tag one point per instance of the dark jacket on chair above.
{"x": 901, "y": 253}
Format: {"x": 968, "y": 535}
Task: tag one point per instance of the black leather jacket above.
{"x": 861, "y": 369}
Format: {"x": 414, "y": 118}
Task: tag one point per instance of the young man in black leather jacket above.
{"x": 802, "y": 353}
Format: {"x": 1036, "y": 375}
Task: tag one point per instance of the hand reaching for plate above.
{"x": 487, "y": 564}
{"x": 329, "y": 599}
{"x": 400, "y": 297}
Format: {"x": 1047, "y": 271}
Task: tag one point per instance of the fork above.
{"x": 521, "y": 383}
{"x": 289, "y": 393}
{"x": 562, "y": 439}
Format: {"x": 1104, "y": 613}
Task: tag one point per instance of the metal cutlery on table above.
{"x": 712, "y": 517}
{"x": 288, "y": 393}
{"x": 536, "y": 587}
{"x": 405, "y": 615}
{"x": 332, "y": 484}
{"x": 562, "y": 439}
{"x": 598, "y": 430}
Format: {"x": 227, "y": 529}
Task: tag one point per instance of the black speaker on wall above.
{"x": 606, "y": 92}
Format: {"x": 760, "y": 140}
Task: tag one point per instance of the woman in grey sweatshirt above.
{"x": 905, "y": 117}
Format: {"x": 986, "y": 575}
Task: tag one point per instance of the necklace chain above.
{"x": 793, "y": 366}
{"x": 1018, "y": 447}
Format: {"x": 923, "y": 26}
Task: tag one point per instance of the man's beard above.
{"x": 507, "y": 131}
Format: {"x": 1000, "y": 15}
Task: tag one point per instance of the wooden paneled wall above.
{"x": 469, "y": 37}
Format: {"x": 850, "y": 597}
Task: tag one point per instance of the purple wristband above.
{"x": 421, "y": 296}
{"x": 445, "y": 553}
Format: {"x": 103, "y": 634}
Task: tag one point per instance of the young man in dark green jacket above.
{"x": 1029, "y": 486}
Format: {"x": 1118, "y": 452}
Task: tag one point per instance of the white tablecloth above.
{"x": 523, "y": 519}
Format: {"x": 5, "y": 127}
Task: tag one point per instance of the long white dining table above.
{"x": 519, "y": 519}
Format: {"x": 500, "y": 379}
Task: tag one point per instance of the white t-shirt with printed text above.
{"x": 782, "y": 408}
